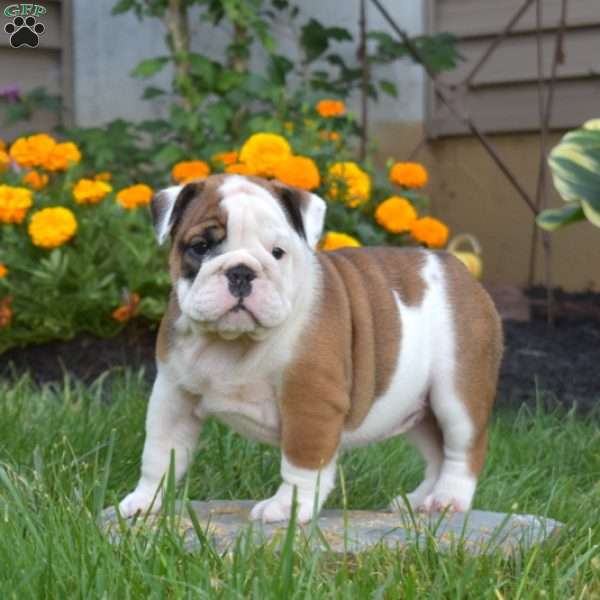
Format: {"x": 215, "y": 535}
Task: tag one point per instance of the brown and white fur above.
{"x": 323, "y": 351}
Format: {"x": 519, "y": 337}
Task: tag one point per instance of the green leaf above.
{"x": 388, "y": 88}
{"x": 279, "y": 67}
{"x": 152, "y": 92}
{"x": 122, "y": 7}
{"x": 149, "y": 67}
{"x": 575, "y": 164}
{"x": 438, "y": 51}
{"x": 313, "y": 39}
{"x": 205, "y": 69}
{"x": 553, "y": 218}
{"x": 169, "y": 154}
{"x": 219, "y": 115}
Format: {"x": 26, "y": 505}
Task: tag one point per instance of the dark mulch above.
{"x": 562, "y": 361}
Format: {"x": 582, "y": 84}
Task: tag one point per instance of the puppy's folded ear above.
{"x": 168, "y": 206}
{"x": 305, "y": 211}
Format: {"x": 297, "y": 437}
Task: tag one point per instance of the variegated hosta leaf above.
{"x": 553, "y": 218}
{"x": 575, "y": 164}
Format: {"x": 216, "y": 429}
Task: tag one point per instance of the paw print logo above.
{"x": 24, "y": 32}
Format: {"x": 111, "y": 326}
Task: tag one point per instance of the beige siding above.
{"x": 48, "y": 65}
{"x": 503, "y": 96}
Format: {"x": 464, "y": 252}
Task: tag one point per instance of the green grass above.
{"x": 66, "y": 451}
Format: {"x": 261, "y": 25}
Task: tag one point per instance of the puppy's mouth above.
{"x": 240, "y": 306}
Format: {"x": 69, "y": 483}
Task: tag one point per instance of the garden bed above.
{"x": 562, "y": 360}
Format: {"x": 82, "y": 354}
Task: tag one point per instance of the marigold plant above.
{"x": 357, "y": 183}
{"x": 430, "y": 231}
{"x": 6, "y": 312}
{"x": 52, "y": 227}
{"x": 189, "y": 170}
{"x": 32, "y": 151}
{"x": 239, "y": 169}
{"x": 330, "y": 108}
{"x": 299, "y": 171}
{"x": 128, "y": 309}
{"x": 4, "y": 160}
{"x": 14, "y": 203}
{"x": 225, "y": 158}
{"x": 90, "y": 191}
{"x": 396, "y": 214}
{"x": 62, "y": 156}
{"x": 3, "y": 271}
{"x": 333, "y": 240}
{"x": 409, "y": 174}
{"x": 262, "y": 152}
{"x": 134, "y": 196}
{"x": 35, "y": 180}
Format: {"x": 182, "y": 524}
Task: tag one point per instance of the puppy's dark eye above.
{"x": 278, "y": 252}
{"x": 198, "y": 249}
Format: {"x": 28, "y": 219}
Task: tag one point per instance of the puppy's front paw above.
{"x": 138, "y": 501}
{"x": 279, "y": 507}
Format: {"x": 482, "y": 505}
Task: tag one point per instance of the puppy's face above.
{"x": 240, "y": 246}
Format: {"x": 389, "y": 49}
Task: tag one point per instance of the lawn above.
{"x": 68, "y": 450}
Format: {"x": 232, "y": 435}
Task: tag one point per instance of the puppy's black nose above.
{"x": 239, "y": 278}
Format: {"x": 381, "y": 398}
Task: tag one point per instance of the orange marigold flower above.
{"x": 263, "y": 151}
{"x": 32, "y": 151}
{"x": 127, "y": 309}
{"x": 52, "y": 227}
{"x": 104, "y": 176}
{"x": 330, "y": 108}
{"x": 35, "y": 180}
{"x": 430, "y": 231}
{"x": 396, "y": 214}
{"x": 330, "y": 136}
{"x": 188, "y": 170}
{"x": 225, "y": 158}
{"x": 62, "y": 156}
{"x": 409, "y": 174}
{"x": 14, "y": 203}
{"x": 90, "y": 191}
{"x": 356, "y": 181}
{"x": 239, "y": 169}
{"x": 335, "y": 239}
{"x": 5, "y": 311}
{"x": 134, "y": 196}
{"x": 4, "y": 160}
{"x": 299, "y": 171}
{"x": 3, "y": 271}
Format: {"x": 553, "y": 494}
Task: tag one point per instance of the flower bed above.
{"x": 77, "y": 250}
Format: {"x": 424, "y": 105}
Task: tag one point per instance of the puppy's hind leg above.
{"x": 426, "y": 437}
{"x": 464, "y": 447}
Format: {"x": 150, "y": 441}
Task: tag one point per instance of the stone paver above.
{"x": 353, "y": 531}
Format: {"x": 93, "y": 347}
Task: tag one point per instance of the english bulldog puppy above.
{"x": 311, "y": 351}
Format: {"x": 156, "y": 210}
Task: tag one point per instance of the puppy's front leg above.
{"x": 310, "y": 441}
{"x": 171, "y": 424}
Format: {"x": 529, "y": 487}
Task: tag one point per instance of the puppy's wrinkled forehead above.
{"x": 211, "y": 202}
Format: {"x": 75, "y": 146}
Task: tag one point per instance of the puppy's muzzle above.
{"x": 240, "y": 280}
